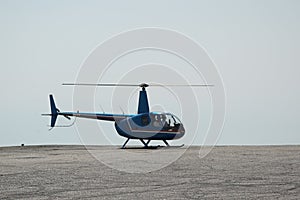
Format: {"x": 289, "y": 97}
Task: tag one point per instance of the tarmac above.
{"x": 73, "y": 172}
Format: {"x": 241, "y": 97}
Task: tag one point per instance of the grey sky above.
{"x": 255, "y": 45}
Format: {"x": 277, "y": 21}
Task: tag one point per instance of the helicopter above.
{"x": 144, "y": 126}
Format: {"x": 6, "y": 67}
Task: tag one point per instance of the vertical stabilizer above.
{"x": 54, "y": 112}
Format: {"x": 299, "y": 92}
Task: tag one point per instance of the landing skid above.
{"x": 146, "y": 145}
{"x": 176, "y": 146}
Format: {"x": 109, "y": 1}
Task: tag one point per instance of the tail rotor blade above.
{"x": 66, "y": 116}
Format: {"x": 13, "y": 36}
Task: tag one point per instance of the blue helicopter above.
{"x": 144, "y": 125}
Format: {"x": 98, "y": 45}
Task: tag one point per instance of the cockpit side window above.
{"x": 156, "y": 120}
{"x": 145, "y": 120}
{"x": 164, "y": 120}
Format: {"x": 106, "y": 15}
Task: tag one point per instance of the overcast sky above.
{"x": 255, "y": 45}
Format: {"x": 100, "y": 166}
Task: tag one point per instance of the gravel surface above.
{"x": 227, "y": 172}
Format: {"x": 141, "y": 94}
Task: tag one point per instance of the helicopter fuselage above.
{"x": 151, "y": 126}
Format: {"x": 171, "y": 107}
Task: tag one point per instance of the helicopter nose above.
{"x": 182, "y": 130}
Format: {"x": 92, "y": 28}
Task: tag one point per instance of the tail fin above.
{"x": 54, "y": 111}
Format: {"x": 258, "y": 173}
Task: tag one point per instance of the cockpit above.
{"x": 160, "y": 125}
{"x": 165, "y": 121}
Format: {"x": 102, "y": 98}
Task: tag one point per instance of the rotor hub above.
{"x": 144, "y": 85}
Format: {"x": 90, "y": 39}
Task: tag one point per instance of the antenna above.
{"x": 122, "y": 110}
{"x": 102, "y": 109}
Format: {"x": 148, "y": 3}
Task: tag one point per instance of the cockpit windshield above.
{"x": 164, "y": 120}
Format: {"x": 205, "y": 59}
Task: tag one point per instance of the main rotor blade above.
{"x": 136, "y": 85}
{"x": 101, "y": 84}
{"x": 179, "y": 85}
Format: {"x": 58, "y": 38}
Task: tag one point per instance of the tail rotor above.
{"x": 55, "y": 112}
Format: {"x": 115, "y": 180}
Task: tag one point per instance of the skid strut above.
{"x": 165, "y": 141}
{"x": 123, "y": 147}
{"x": 145, "y": 143}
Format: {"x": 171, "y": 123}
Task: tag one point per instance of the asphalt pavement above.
{"x": 73, "y": 172}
